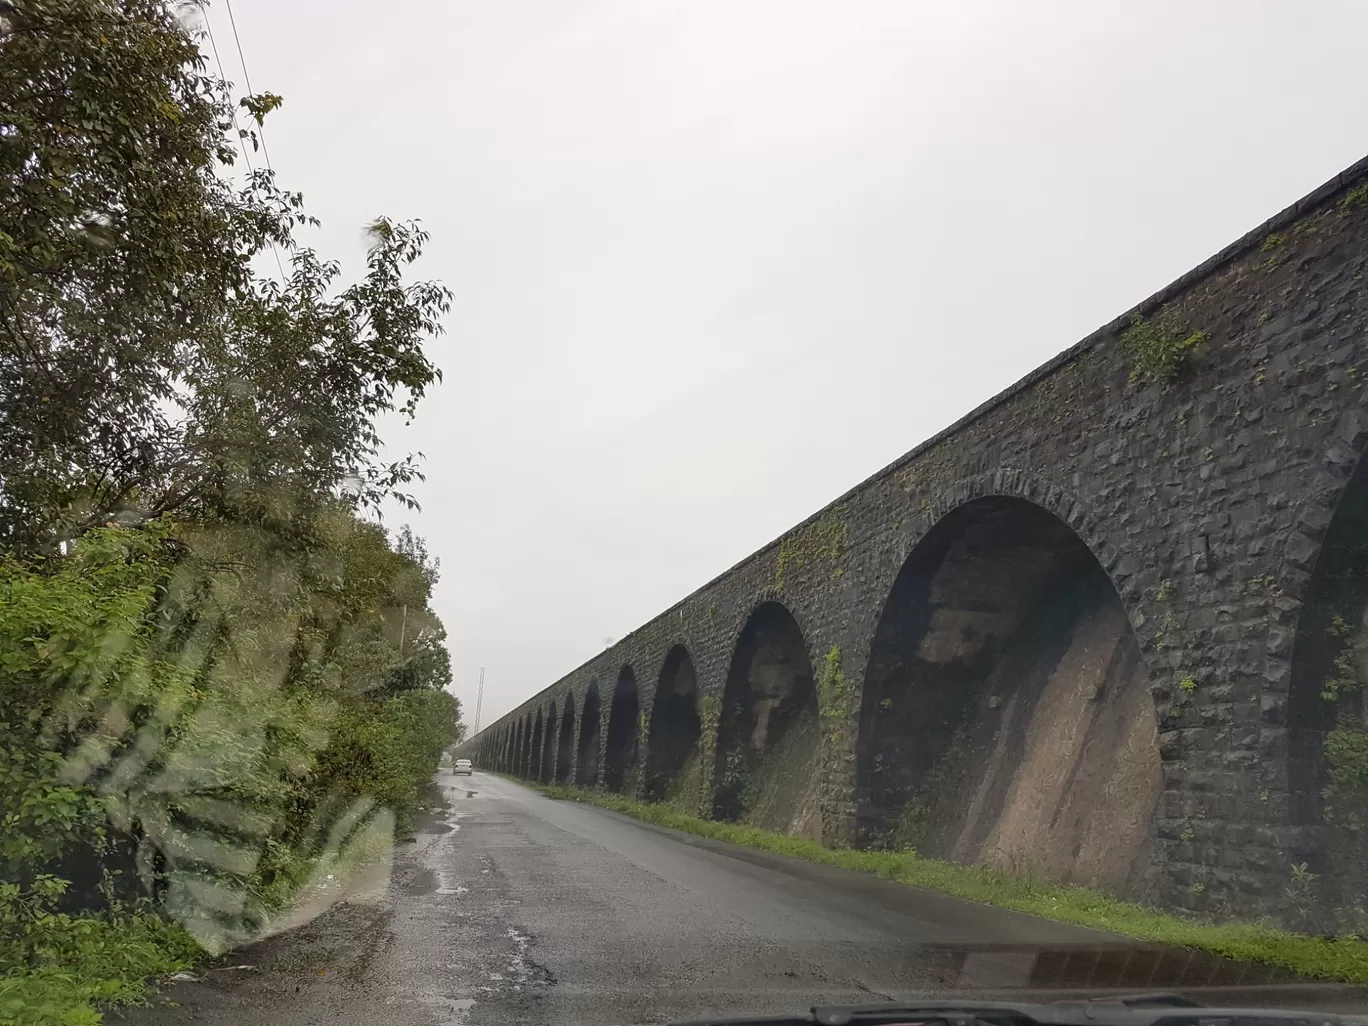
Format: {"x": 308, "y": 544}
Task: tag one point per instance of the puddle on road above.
{"x": 417, "y": 881}
{"x": 437, "y": 861}
{"x": 521, "y": 971}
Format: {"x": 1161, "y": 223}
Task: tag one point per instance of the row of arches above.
{"x": 546, "y": 746}
{"x": 1004, "y": 711}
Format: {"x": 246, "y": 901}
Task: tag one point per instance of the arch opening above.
{"x": 1327, "y": 718}
{"x": 672, "y": 761}
{"x": 769, "y": 734}
{"x": 1006, "y": 715}
{"x": 566, "y": 745}
{"x": 621, "y": 755}
{"x": 520, "y": 754}
{"x": 546, "y": 767}
{"x": 587, "y": 751}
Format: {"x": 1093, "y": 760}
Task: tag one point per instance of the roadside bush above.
{"x": 388, "y": 748}
{"x": 58, "y": 967}
{"x": 212, "y": 710}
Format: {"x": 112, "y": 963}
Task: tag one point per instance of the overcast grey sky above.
{"x": 716, "y": 262}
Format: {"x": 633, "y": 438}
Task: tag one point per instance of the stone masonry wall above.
{"x": 1205, "y": 499}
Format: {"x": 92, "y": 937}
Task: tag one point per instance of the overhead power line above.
{"x": 247, "y": 79}
{"x": 213, "y": 45}
{"x": 242, "y": 143}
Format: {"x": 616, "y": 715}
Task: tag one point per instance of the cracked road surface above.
{"x": 510, "y": 907}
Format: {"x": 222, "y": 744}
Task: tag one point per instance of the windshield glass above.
{"x": 603, "y": 512}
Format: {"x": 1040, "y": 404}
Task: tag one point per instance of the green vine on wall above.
{"x": 1157, "y": 349}
{"x": 1346, "y": 787}
{"x": 1345, "y": 678}
{"x": 709, "y": 719}
{"x": 1168, "y": 623}
{"x": 822, "y": 539}
{"x": 836, "y": 703}
{"x": 1346, "y": 744}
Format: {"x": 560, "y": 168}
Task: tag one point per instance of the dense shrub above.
{"x": 210, "y": 710}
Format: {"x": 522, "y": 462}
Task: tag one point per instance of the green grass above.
{"x": 86, "y": 963}
{"x": 1344, "y": 959}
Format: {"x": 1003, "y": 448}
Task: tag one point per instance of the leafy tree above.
{"x": 424, "y": 660}
{"x": 223, "y": 671}
{"x": 143, "y": 367}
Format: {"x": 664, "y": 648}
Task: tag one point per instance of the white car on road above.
{"x": 463, "y": 766}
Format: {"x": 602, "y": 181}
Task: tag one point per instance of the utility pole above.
{"x": 479, "y": 701}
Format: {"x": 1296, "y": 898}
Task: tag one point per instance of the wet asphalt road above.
{"x": 510, "y": 907}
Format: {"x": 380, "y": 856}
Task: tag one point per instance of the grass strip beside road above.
{"x": 1343, "y": 959}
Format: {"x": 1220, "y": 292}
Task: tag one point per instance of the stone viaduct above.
{"x": 1106, "y": 628}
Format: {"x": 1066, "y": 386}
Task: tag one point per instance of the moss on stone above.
{"x": 1157, "y": 349}
{"x": 824, "y": 538}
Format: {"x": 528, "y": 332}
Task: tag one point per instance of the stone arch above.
{"x": 587, "y": 750}
{"x": 534, "y": 754}
{"x": 565, "y": 746}
{"x": 620, "y": 755}
{"x": 1327, "y": 698}
{"x": 524, "y": 748}
{"x": 546, "y": 772}
{"x": 1071, "y": 509}
{"x": 1006, "y": 714}
{"x": 672, "y": 756}
{"x": 768, "y": 732}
